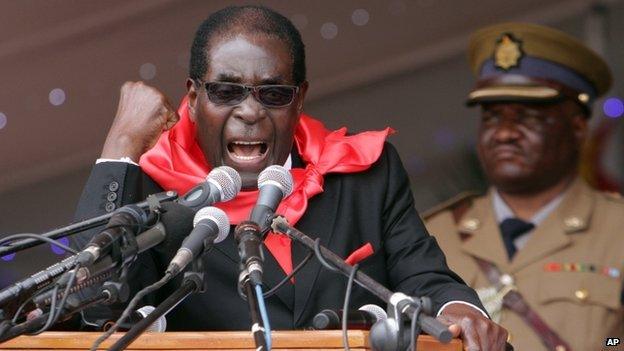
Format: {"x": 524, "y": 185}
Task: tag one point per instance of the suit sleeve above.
{"x": 112, "y": 185}
{"x": 416, "y": 264}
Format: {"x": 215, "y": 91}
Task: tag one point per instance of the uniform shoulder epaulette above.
{"x": 613, "y": 196}
{"x": 461, "y": 200}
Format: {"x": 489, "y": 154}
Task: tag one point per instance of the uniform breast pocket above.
{"x": 583, "y": 307}
{"x": 580, "y": 288}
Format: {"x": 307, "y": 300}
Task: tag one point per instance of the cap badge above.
{"x": 507, "y": 53}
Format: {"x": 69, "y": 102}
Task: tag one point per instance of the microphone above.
{"x": 362, "y": 318}
{"x": 165, "y": 237}
{"x": 211, "y": 226}
{"x": 222, "y": 184}
{"x": 129, "y": 217}
{"x": 159, "y": 325}
{"x": 275, "y": 183}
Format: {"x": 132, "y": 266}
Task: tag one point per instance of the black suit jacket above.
{"x": 374, "y": 206}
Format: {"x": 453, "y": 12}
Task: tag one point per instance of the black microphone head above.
{"x": 277, "y": 176}
{"x": 227, "y": 180}
{"x": 325, "y": 319}
{"x": 178, "y": 222}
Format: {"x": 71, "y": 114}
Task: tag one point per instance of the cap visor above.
{"x": 512, "y": 93}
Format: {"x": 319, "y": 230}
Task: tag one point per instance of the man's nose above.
{"x": 250, "y": 110}
{"x": 507, "y": 129}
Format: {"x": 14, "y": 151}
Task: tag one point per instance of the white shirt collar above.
{"x": 288, "y": 163}
{"x": 503, "y": 211}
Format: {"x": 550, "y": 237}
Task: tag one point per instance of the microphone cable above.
{"x": 54, "y": 311}
{"x": 39, "y": 237}
{"x": 289, "y": 276}
{"x": 415, "y": 329}
{"x": 264, "y": 315}
{"x": 345, "y": 306}
{"x": 130, "y": 308}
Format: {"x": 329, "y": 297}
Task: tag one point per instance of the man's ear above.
{"x": 303, "y": 90}
{"x": 191, "y": 93}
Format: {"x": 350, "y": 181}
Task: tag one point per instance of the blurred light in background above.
{"x": 3, "y": 120}
{"x": 8, "y": 257}
{"x": 57, "y": 250}
{"x": 360, "y": 17}
{"x": 299, "y": 20}
{"x": 56, "y": 96}
{"x": 397, "y": 8}
{"x": 613, "y": 107}
{"x": 147, "y": 71}
{"x": 329, "y": 30}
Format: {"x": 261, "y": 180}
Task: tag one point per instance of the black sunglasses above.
{"x": 272, "y": 96}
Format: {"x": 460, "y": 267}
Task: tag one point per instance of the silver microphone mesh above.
{"x": 376, "y": 311}
{"x": 216, "y": 215}
{"x": 159, "y": 325}
{"x": 278, "y": 176}
{"x": 227, "y": 180}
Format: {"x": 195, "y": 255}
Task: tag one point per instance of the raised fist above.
{"x": 142, "y": 115}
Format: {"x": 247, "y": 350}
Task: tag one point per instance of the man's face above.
{"x": 527, "y": 148}
{"x": 247, "y": 136}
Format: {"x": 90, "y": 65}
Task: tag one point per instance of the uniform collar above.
{"x": 503, "y": 212}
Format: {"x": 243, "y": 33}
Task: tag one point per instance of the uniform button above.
{"x": 471, "y": 224}
{"x": 573, "y": 222}
{"x": 111, "y": 197}
{"x": 109, "y": 207}
{"x": 560, "y": 348}
{"x": 113, "y": 186}
{"x": 581, "y": 294}
{"x": 506, "y": 279}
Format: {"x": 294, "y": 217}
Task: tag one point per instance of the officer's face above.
{"x": 247, "y": 135}
{"x": 530, "y": 147}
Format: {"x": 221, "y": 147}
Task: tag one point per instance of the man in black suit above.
{"x": 244, "y": 109}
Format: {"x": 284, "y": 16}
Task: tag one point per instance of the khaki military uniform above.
{"x": 569, "y": 272}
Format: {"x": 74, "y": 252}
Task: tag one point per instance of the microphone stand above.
{"x": 401, "y": 302}
{"x": 257, "y": 327}
{"x": 83, "y": 225}
{"x": 193, "y": 282}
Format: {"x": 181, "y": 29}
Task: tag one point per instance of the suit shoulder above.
{"x": 458, "y": 204}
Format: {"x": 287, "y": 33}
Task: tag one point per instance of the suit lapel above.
{"x": 318, "y": 222}
{"x": 485, "y": 240}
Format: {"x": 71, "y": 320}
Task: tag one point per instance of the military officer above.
{"x": 543, "y": 249}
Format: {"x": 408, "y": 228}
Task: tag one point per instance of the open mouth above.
{"x": 247, "y": 151}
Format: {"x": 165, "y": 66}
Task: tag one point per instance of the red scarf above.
{"x": 177, "y": 163}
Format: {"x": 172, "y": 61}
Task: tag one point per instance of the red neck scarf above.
{"x": 177, "y": 163}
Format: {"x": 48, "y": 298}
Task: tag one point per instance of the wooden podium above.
{"x": 230, "y": 341}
